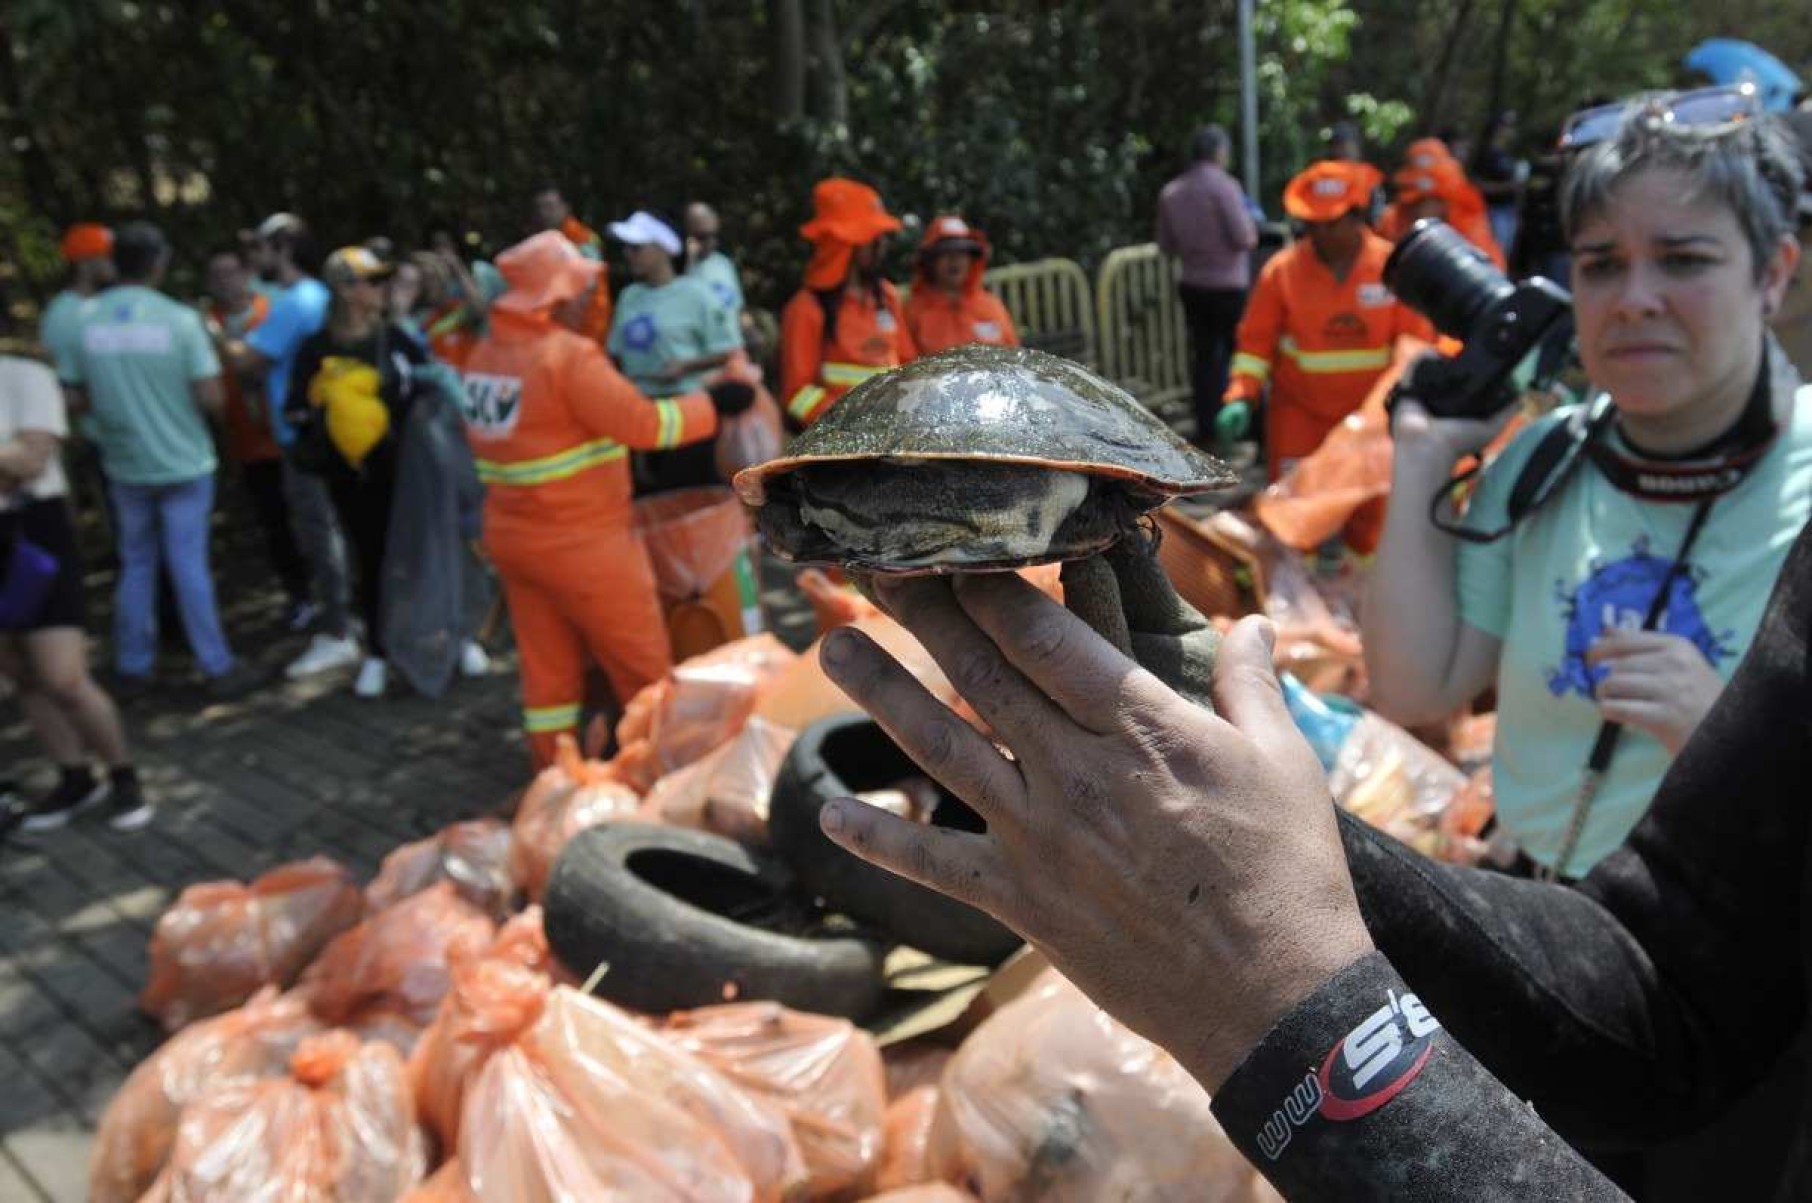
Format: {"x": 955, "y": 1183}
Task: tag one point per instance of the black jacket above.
{"x": 1632, "y": 1008}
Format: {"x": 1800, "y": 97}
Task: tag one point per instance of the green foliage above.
{"x": 1051, "y": 124}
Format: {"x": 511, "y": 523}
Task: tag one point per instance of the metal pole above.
{"x": 1248, "y": 100}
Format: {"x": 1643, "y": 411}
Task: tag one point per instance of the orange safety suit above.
{"x": 550, "y": 422}
{"x": 938, "y": 321}
{"x": 1444, "y": 180}
{"x": 247, "y": 430}
{"x": 1320, "y": 343}
{"x": 870, "y": 338}
{"x": 596, "y": 323}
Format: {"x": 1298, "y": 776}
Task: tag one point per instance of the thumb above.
{"x": 1247, "y": 692}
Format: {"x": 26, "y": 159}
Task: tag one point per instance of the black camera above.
{"x": 1440, "y": 275}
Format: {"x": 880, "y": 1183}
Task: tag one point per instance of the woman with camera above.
{"x": 1613, "y": 562}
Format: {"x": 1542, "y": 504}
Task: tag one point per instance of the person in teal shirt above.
{"x": 670, "y": 330}
{"x": 144, "y": 367}
{"x": 709, "y": 264}
{"x": 88, "y": 249}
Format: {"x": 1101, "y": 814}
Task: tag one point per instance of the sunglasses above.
{"x": 1725, "y": 105}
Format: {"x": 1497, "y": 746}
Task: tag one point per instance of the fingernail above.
{"x": 836, "y": 649}
{"x": 831, "y": 818}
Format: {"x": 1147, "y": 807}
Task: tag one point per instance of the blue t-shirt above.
{"x": 299, "y": 311}
{"x": 1590, "y": 559}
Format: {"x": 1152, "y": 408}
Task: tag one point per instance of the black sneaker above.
{"x": 235, "y": 683}
{"x": 127, "y": 807}
{"x": 127, "y": 688}
{"x": 77, "y": 791}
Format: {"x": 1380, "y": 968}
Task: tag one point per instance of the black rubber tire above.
{"x": 655, "y": 904}
{"x": 850, "y": 754}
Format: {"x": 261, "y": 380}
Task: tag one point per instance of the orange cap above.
{"x": 1444, "y": 179}
{"x": 847, "y": 212}
{"x": 1426, "y": 152}
{"x": 1330, "y": 189}
{"x": 86, "y": 240}
{"x": 543, "y": 271}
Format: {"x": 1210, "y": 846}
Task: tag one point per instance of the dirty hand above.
{"x": 1125, "y": 596}
{"x": 1183, "y": 869}
{"x": 1658, "y": 683}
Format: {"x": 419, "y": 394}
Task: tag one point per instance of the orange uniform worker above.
{"x": 551, "y": 422}
{"x": 552, "y": 212}
{"x": 1320, "y": 326}
{"x": 1431, "y": 185}
{"x": 948, "y": 306}
{"x": 846, "y": 324}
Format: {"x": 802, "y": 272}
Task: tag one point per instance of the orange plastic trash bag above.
{"x": 338, "y": 1128}
{"x": 221, "y": 941}
{"x": 546, "y": 1093}
{"x": 474, "y": 856}
{"x": 935, "y": 1192}
{"x": 833, "y": 605}
{"x": 824, "y": 1073}
{"x": 906, "y": 1152}
{"x": 728, "y": 791}
{"x": 801, "y": 694}
{"x": 695, "y": 709}
{"x": 1051, "y": 1099}
{"x": 913, "y": 1064}
{"x": 693, "y": 536}
{"x": 1320, "y": 494}
{"x": 565, "y": 798}
{"x": 139, "y": 1126}
{"x": 395, "y": 962}
{"x": 752, "y": 437}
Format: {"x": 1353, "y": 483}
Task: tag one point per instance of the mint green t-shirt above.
{"x": 1592, "y": 558}
{"x": 138, "y": 356}
{"x": 57, "y": 327}
{"x": 679, "y": 320}
{"x": 716, "y": 272}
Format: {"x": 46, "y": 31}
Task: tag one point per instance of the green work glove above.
{"x": 1124, "y": 595}
{"x": 1233, "y": 423}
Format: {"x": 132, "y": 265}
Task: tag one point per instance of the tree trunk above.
{"x": 789, "y": 60}
{"x": 1506, "y": 21}
{"x": 830, "y": 85}
{"x": 1435, "y": 99}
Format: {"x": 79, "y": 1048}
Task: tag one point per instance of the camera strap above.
{"x": 1604, "y": 747}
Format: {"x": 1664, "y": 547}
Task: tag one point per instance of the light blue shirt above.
{"x": 1591, "y": 559}
{"x": 138, "y": 355}
{"x": 678, "y": 321}
{"x": 297, "y": 313}
{"x": 719, "y": 274}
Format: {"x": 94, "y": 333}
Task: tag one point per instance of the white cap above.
{"x": 643, "y": 228}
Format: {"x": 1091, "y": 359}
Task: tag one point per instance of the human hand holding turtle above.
{"x": 1184, "y": 869}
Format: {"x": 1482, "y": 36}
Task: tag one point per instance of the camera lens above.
{"x": 1440, "y": 275}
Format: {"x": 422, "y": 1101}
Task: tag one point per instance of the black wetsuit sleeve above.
{"x": 1641, "y": 1004}
{"x": 1359, "y": 1094}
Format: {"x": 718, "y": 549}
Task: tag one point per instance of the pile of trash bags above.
{"x": 439, "y": 1035}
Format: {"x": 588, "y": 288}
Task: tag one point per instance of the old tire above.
{"x": 849, "y": 754}
{"x": 687, "y": 919}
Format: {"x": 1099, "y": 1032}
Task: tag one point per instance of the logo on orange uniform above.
{"x": 492, "y": 405}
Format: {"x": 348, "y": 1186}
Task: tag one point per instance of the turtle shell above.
{"x": 971, "y": 442}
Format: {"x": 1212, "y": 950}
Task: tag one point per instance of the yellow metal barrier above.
{"x": 1050, "y": 303}
{"x": 1143, "y": 342}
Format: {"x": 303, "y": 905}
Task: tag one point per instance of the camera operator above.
{"x": 1614, "y": 561}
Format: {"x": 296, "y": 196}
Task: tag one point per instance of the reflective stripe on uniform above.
{"x": 848, "y": 375}
{"x": 1375, "y": 359}
{"x": 538, "y": 720}
{"x": 672, "y": 424}
{"x": 1245, "y": 364}
{"x": 805, "y": 401}
{"x": 570, "y": 462}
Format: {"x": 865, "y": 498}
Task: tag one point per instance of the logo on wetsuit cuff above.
{"x": 1365, "y": 1070}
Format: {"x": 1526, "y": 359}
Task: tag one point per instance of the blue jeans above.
{"x": 167, "y": 523}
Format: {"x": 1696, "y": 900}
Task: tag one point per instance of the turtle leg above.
{"x": 1092, "y": 592}
{"x": 1169, "y": 636}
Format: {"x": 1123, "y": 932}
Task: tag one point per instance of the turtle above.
{"x": 980, "y": 458}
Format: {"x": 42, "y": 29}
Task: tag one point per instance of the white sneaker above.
{"x": 472, "y": 660}
{"x": 374, "y": 677}
{"x": 325, "y": 653}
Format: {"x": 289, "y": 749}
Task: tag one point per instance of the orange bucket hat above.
{"x": 1330, "y": 189}
{"x": 845, "y": 215}
{"x": 1426, "y": 152}
{"x": 542, "y": 271}
{"x": 86, "y": 240}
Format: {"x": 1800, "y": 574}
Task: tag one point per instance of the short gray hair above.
{"x": 1751, "y": 169}
{"x": 1210, "y": 143}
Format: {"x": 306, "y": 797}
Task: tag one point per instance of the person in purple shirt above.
{"x": 1204, "y": 220}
